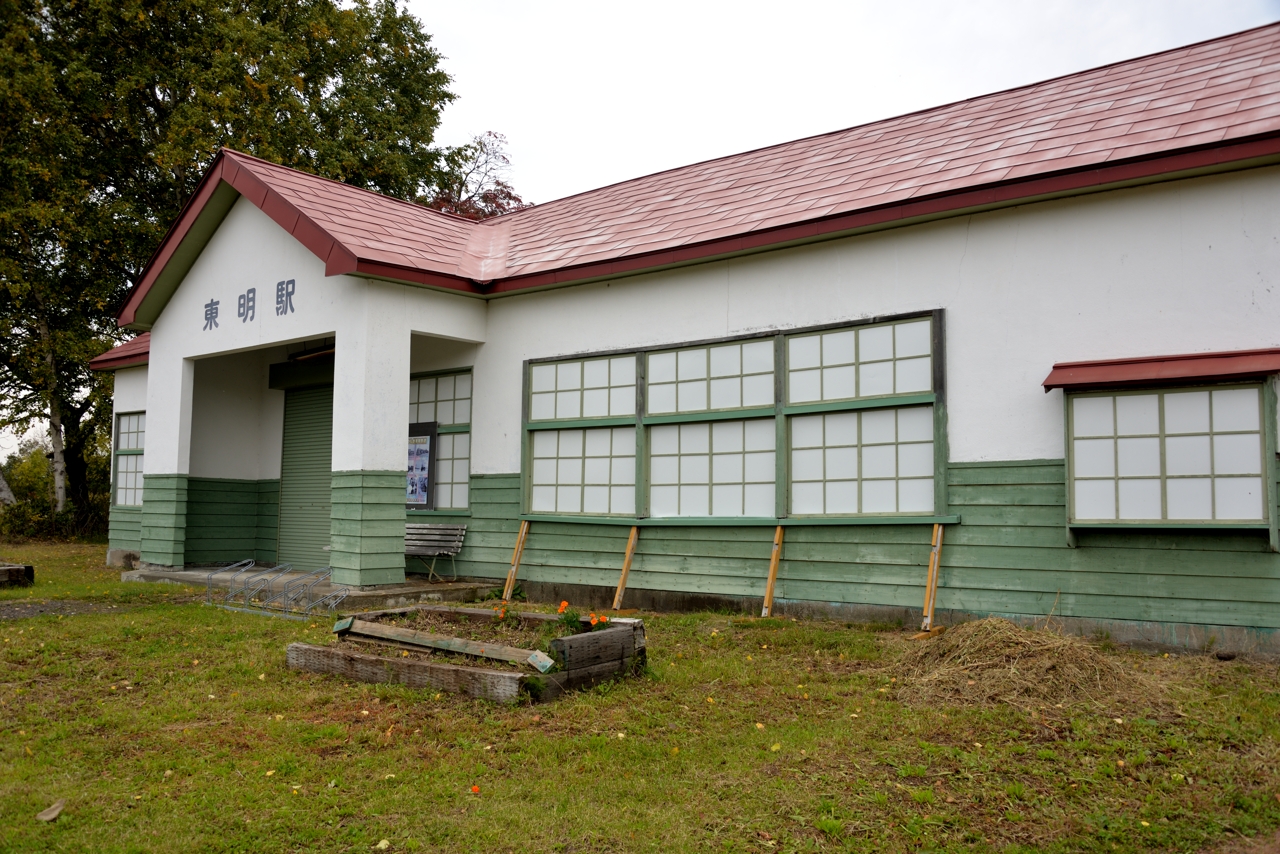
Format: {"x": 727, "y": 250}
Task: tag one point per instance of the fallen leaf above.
{"x": 775, "y": 747}
{"x": 761, "y": 726}
{"x": 475, "y": 790}
{"x": 269, "y": 773}
{"x": 389, "y": 777}
{"x": 262, "y": 677}
{"x": 383, "y": 844}
{"x": 674, "y": 751}
{"x": 52, "y": 812}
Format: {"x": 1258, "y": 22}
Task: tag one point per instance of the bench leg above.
{"x": 455, "y": 567}
{"x": 431, "y": 573}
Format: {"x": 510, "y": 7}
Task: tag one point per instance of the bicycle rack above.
{"x": 237, "y": 568}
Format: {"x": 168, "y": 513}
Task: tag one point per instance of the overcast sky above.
{"x": 592, "y": 93}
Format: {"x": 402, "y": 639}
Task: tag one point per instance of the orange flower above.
{"x": 563, "y": 605}
{"x": 475, "y": 790}
{"x": 603, "y": 618}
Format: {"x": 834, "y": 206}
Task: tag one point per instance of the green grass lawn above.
{"x": 173, "y": 726}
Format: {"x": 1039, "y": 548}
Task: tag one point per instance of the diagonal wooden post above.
{"x": 931, "y": 579}
{"x": 626, "y": 567}
{"x": 767, "y": 610}
{"x": 510, "y": 586}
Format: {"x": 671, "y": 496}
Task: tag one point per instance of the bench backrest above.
{"x": 421, "y": 539}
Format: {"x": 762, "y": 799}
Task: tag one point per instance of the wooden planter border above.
{"x": 585, "y": 659}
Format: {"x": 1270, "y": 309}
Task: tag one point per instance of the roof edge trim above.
{"x": 1237, "y": 365}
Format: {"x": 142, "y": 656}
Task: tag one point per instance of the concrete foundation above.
{"x": 412, "y": 592}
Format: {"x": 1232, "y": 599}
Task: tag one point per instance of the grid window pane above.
{"x": 1177, "y": 455}
{"x": 725, "y": 468}
{"x": 453, "y": 470}
{"x": 131, "y": 434}
{"x": 588, "y": 471}
{"x": 584, "y": 388}
{"x": 129, "y": 480}
{"x": 874, "y": 461}
{"x": 445, "y": 400}
{"x": 699, "y": 379}
{"x": 893, "y": 358}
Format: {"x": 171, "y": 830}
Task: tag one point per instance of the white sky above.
{"x": 589, "y": 93}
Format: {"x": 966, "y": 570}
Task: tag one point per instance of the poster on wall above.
{"x": 420, "y": 486}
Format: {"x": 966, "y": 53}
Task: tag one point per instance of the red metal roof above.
{"x": 1196, "y": 107}
{"x": 126, "y": 355}
{"x": 1163, "y": 370}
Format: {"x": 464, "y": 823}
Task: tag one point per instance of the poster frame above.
{"x": 429, "y": 429}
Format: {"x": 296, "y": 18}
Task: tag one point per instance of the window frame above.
{"x": 416, "y": 511}
{"x": 1267, "y": 427}
{"x": 118, "y": 452}
{"x": 780, "y": 412}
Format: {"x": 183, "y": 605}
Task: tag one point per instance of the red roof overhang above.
{"x": 1241, "y": 365}
{"x": 127, "y": 355}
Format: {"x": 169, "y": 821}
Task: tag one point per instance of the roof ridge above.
{"x": 895, "y": 118}
{"x": 381, "y": 197}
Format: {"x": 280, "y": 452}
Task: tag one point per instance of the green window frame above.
{"x": 699, "y": 453}
{"x": 1194, "y": 456}
{"x": 130, "y": 445}
{"x": 445, "y": 397}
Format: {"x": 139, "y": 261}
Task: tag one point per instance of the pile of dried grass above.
{"x": 993, "y": 661}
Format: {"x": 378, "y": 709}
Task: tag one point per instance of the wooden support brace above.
{"x": 626, "y": 567}
{"x": 931, "y": 579}
{"x": 521, "y": 537}
{"x": 767, "y": 610}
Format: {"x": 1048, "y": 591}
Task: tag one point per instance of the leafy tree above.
{"x": 110, "y": 111}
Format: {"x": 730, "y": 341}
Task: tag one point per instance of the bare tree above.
{"x": 479, "y": 189}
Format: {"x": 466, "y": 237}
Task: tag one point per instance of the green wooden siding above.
{"x": 305, "y": 477}
{"x": 164, "y": 519}
{"x": 1009, "y": 556}
{"x": 124, "y": 528}
{"x": 368, "y": 519}
{"x": 222, "y": 520}
{"x": 268, "y": 532}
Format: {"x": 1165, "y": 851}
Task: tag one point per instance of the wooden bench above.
{"x": 433, "y": 541}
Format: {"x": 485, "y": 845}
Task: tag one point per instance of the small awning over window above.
{"x": 1164, "y": 370}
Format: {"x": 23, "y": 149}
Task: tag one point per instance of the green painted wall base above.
{"x": 367, "y": 528}
{"x": 124, "y": 529}
{"x": 164, "y": 519}
{"x": 187, "y": 520}
{"x": 1008, "y": 556}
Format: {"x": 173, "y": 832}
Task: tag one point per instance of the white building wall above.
{"x": 130, "y": 390}
{"x": 237, "y": 422}
{"x": 373, "y": 322}
{"x": 1181, "y": 267}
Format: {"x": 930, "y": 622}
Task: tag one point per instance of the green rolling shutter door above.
{"x": 306, "y": 480}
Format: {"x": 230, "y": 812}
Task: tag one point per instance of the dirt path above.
{"x": 1262, "y": 844}
{"x": 67, "y": 607}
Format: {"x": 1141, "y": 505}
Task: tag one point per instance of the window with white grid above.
{"x": 444, "y": 400}
{"x": 867, "y": 461}
{"x": 1184, "y": 455}
{"x": 870, "y": 361}
{"x": 453, "y": 471}
{"x": 585, "y": 388}
{"x": 724, "y": 468}
{"x": 131, "y": 433}
{"x": 722, "y": 376}
{"x": 584, "y": 471}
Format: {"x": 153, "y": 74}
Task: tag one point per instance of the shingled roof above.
{"x": 1209, "y": 106}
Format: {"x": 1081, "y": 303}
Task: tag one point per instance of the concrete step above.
{"x": 412, "y": 592}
